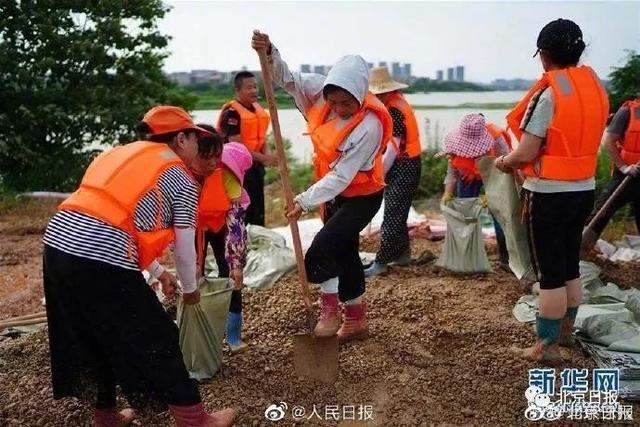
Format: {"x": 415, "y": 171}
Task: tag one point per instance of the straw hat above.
{"x": 381, "y": 82}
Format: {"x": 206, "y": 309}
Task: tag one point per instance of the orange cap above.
{"x": 166, "y": 118}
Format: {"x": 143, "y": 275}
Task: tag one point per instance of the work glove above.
{"x": 631, "y": 170}
{"x": 446, "y": 198}
{"x": 484, "y": 201}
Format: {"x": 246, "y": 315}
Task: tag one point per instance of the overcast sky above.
{"x": 492, "y": 39}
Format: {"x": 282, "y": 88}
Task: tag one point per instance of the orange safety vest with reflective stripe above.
{"x": 412, "y": 138}
{"x": 212, "y": 209}
{"x": 327, "y": 136}
{"x": 581, "y": 106}
{"x": 630, "y": 144}
{"x": 253, "y": 125}
{"x": 114, "y": 183}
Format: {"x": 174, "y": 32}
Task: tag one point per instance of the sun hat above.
{"x": 381, "y": 82}
{"x": 166, "y": 119}
{"x": 237, "y": 158}
{"x": 471, "y": 139}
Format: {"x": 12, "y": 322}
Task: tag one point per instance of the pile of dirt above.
{"x": 439, "y": 352}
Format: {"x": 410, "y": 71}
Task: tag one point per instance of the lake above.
{"x": 434, "y": 123}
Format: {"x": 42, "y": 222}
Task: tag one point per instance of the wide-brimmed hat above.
{"x": 471, "y": 138}
{"x": 167, "y": 118}
{"x": 381, "y": 82}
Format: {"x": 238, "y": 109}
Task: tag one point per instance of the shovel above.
{"x": 589, "y": 237}
{"x": 313, "y": 357}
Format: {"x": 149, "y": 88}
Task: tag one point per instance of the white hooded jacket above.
{"x": 359, "y": 149}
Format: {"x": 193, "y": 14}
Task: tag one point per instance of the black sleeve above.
{"x": 620, "y": 122}
{"x": 399, "y": 127}
{"x": 230, "y": 123}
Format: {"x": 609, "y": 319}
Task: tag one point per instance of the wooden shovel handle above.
{"x": 284, "y": 173}
{"x": 605, "y": 208}
{"x": 24, "y": 322}
{"x": 25, "y": 317}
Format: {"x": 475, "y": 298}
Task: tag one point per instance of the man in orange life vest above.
{"x": 244, "y": 120}
{"x": 349, "y": 128}
{"x": 559, "y": 124}
{"x": 402, "y": 167}
{"x": 622, "y": 142}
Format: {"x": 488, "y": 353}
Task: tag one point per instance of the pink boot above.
{"x": 355, "y": 322}
{"x": 329, "y": 321}
{"x": 195, "y": 416}
{"x": 112, "y": 418}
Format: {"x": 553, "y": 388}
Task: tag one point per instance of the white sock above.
{"x": 329, "y": 286}
{"x": 354, "y": 301}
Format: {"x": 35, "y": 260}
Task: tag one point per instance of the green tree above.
{"x": 625, "y": 81}
{"x": 74, "y": 76}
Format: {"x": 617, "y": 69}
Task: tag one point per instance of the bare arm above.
{"x": 609, "y": 141}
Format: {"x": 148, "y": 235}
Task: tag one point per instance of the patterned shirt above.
{"x": 88, "y": 237}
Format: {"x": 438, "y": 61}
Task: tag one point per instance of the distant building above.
{"x": 450, "y": 75}
{"x": 460, "y": 73}
{"x": 396, "y": 70}
{"x": 370, "y": 64}
{"x": 511, "y": 84}
{"x": 182, "y": 78}
{"x": 407, "y": 71}
{"x": 382, "y": 64}
{"x": 305, "y": 68}
{"x": 318, "y": 69}
{"x": 439, "y": 75}
{"x": 202, "y": 76}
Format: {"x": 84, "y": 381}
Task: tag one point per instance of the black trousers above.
{"x": 254, "y": 184}
{"x": 334, "y": 251}
{"x": 107, "y": 328}
{"x": 630, "y": 194}
{"x": 217, "y": 243}
{"x": 555, "y": 222}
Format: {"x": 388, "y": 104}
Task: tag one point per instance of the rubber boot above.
{"x": 546, "y": 347}
{"x": 195, "y": 416}
{"x": 329, "y": 320}
{"x": 234, "y": 333}
{"x": 375, "y": 269}
{"x": 112, "y": 418}
{"x": 565, "y": 337}
{"x": 355, "y": 322}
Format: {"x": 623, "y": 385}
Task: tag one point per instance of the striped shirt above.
{"x": 88, "y": 237}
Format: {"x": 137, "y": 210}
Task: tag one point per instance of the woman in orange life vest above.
{"x": 402, "y": 167}
{"x": 622, "y": 142}
{"x": 221, "y": 214}
{"x": 106, "y": 325}
{"x": 472, "y": 139}
{"x": 559, "y": 124}
{"x": 349, "y": 128}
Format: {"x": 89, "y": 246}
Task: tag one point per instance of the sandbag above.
{"x": 202, "y": 328}
{"x": 268, "y": 259}
{"x": 503, "y": 195}
{"x": 463, "y": 250}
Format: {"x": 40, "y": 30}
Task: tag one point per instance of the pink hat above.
{"x": 471, "y": 139}
{"x": 237, "y": 158}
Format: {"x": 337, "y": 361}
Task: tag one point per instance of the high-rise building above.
{"x": 371, "y": 64}
{"x": 439, "y": 75}
{"x": 318, "y": 69}
{"x": 450, "y": 76}
{"x": 396, "y": 70}
{"x": 305, "y": 68}
{"x": 460, "y": 73}
{"x": 382, "y": 64}
{"x": 407, "y": 71}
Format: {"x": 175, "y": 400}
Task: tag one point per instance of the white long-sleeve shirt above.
{"x": 358, "y": 150}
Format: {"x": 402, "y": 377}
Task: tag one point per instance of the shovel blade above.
{"x": 316, "y": 358}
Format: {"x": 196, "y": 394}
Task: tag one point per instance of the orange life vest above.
{"x": 570, "y": 152}
{"x": 412, "y": 139}
{"x": 327, "y": 136}
{"x": 631, "y": 142}
{"x": 253, "y": 125}
{"x": 114, "y": 183}
{"x": 497, "y": 132}
{"x": 467, "y": 166}
{"x": 212, "y": 209}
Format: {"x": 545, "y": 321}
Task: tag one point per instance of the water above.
{"x": 434, "y": 124}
